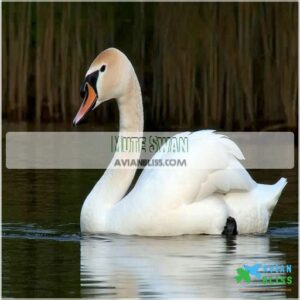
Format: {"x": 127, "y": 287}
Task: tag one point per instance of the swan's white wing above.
{"x": 212, "y": 167}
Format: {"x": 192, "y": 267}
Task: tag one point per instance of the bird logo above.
{"x": 245, "y": 273}
{"x": 254, "y": 270}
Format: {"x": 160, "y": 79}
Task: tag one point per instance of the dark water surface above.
{"x": 44, "y": 255}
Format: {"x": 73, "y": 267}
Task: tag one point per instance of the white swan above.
{"x": 168, "y": 202}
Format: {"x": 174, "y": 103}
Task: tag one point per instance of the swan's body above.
{"x": 166, "y": 202}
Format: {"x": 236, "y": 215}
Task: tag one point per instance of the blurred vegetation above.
{"x": 231, "y": 66}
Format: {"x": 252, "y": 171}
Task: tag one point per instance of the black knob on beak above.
{"x": 83, "y": 90}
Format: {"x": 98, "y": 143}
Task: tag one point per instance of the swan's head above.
{"x": 107, "y": 78}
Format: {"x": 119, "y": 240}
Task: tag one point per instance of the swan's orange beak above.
{"x": 87, "y": 104}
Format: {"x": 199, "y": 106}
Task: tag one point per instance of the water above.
{"x": 44, "y": 254}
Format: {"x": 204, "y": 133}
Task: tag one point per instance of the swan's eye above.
{"x": 103, "y": 68}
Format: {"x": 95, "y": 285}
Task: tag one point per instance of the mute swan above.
{"x": 168, "y": 202}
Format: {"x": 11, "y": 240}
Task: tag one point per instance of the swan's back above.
{"x": 200, "y": 197}
{"x": 212, "y": 166}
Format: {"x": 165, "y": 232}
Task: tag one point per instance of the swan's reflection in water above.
{"x": 187, "y": 266}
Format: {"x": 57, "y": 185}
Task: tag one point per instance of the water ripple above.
{"x": 33, "y": 231}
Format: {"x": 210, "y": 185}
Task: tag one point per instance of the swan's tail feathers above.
{"x": 274, "y": 195}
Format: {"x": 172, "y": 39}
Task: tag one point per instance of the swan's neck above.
{"x": 114, "y": 183}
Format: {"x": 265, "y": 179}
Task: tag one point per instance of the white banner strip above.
{"x": 91, "y": 150}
